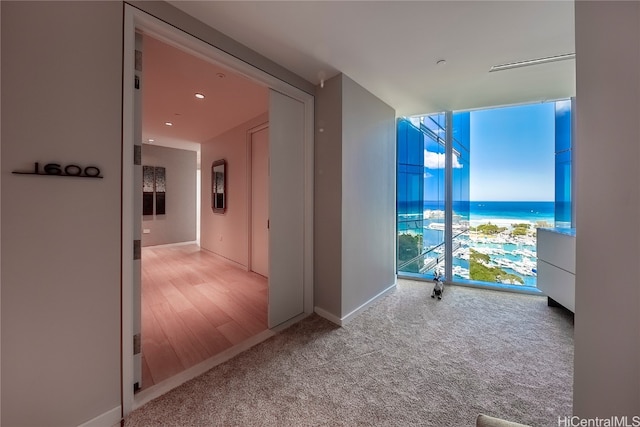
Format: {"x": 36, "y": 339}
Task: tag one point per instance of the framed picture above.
{"x": 153, "y": 190}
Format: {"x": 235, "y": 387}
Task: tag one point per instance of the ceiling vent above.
{"x": 529, "y": 62}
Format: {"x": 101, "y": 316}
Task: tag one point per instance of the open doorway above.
{"x": 290, "y": 130}
{"x": 198, "y": 294}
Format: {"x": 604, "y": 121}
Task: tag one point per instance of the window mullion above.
{"x": 448, "y": 196}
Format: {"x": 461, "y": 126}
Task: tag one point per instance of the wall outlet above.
{"x": 146, "y": 230}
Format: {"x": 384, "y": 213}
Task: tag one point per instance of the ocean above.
{"x": 526, "y": 211}
{"x": 487, "y": 210}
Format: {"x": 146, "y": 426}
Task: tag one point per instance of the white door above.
{"x": 286, "y": 208}
{"x": 260, "y": 201}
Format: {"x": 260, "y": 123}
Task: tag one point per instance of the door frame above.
{"x": 250, "y": 133}
{"x": 137, "y": 20}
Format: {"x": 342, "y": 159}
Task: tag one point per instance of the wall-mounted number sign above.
{"x": 56, "y": 169}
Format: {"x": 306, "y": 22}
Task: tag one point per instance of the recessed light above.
{"x": 220, "y": 75}
{"x": 199, "y": 95}
{"x": 441, "y": 62}
{"x": 168, "y": 123}
{"x": 151, "y": 140}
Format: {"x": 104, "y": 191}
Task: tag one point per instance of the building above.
{"x": 61, "y": 270}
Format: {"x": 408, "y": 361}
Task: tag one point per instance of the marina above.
{"x": 501, "y": 241}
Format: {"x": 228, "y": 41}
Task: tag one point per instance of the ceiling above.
{"x": 171, "y": 78}
{"x": 389, "y": 47}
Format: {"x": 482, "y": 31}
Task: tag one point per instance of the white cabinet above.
{"x": 557, "y": 265}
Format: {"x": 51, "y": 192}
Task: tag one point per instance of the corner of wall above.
{"x": 328, "y": 198}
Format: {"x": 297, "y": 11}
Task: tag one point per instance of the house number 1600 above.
{"x": 68, "y": 170}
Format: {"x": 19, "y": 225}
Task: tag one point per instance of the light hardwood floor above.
{"x": 195, "y": 304}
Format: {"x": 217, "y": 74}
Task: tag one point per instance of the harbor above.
{"x": 515, "y": 254}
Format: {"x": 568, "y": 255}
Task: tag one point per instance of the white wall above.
{"x": 355, "y": 197}
{"x": 61, "y": 102}
{"x": 178, "y": 224}
{"x": 607, "y": 323}
{"x": 61, "y": 237}
{"x": 368, "y": 196}
{"x": 226, "y": 234}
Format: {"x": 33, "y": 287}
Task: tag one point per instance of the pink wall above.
{"x": 227, "y": 234}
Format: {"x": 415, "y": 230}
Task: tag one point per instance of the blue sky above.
{"x": 512, "y": 153}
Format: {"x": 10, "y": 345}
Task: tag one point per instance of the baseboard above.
{"x": 342, "y": 321}
{"x": 349, "y": 317}
{"x": 234, "y": 262}
{"x": 292, "y": 321}
{"x": 108, "y": 419}
{"x": 168, "y": 245}
{"x": 163, "y": 387}
{"x": 330, "y": 317}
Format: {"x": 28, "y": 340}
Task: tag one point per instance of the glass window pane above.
{"x": 511, "y": 173}
{"x": 564, "y": 147}
{"x": 420, "y": 194}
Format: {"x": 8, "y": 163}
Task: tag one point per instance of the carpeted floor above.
{"x": 408, "y": 360}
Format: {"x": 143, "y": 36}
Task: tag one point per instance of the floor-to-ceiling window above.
{"x": 488, "y": 179}
{"x": 421, "y": 194}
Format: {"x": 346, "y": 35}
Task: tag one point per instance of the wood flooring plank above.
{"x": 209, "y": 309}
{"x": 234, "y": 332}
{"x": 147, "y": 378}
{"x": 181, "y": 339}
{"x": 249, "y": 299}
{"x": 151, "y": 295}
{"x": 207, "y": 335}
{"x": 195, "y": 304}
{"x": 234, "y": 309}
{"x": 175, "y": 297}
{"x": 158, "y": 352}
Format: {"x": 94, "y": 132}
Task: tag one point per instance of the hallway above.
{"x": 195, "y": 304}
